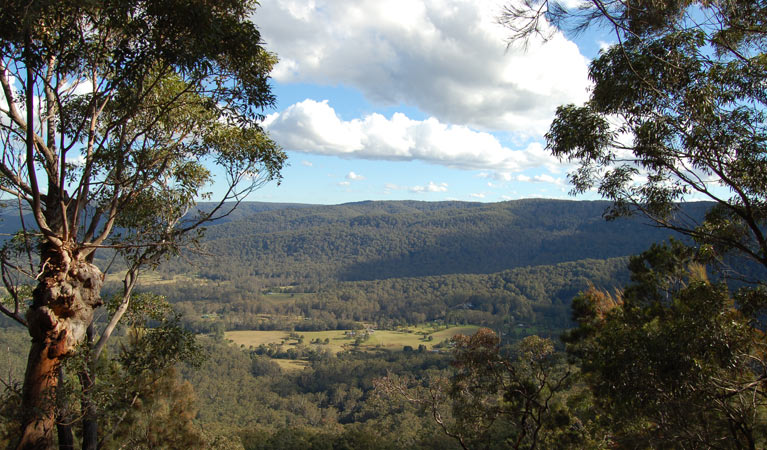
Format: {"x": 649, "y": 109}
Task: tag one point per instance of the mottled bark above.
{"x": 64, "y": 300}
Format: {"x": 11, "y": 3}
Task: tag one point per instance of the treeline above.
{"x": 249, "y": 398}
{"x": 380, "y": 240}
{"x": 236, "y": 398}
{"x": 537, "y": 296}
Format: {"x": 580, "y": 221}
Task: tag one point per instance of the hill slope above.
{"x": 379, "y": 240}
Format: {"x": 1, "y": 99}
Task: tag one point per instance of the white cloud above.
{"x": 604, "y": 46}
{"x": 572, "y": 4}
{"x": 344, "y": 183}
{"x": 448, "y": 58}
{"x": 306, "y": 163}
{"x": 506, "y": 176}
{"x": 354, "y": 177}
{"x": 431, "y": 187}
{"x": 314, "y": 127}
{"x": 478, "y": 195}
{"x": 78, "y": 160}
{"x": 544, "y": 178}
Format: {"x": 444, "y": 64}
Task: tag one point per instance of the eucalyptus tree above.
{"x": 676, "y": 112}
{"x": 115, "y": 117}
{"x": 671, "y": 362}
{"x": 492, "y": 400}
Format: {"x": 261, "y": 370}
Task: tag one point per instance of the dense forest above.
{"x": 134, "y": 317}
{"x": 399, "y": 263}
{"x": 379, "y": 240}
{"x": 550, "y": 251}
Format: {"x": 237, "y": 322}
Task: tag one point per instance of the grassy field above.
{"x": 256, "y": 338}
{"x": 151, "y": 278}
{"x": 291, "y": 365}
{"x": 338, "y": 340}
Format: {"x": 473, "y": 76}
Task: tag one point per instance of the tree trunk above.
{"x": 90, "y": 426}
{"x": 63, "y": 302}
{"x": 64, "y": 425}
{"x": 66, "y": 437}
{"x": 87, "y": 381}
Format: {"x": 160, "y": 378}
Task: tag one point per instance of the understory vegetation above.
{"x": 531, "y": 324}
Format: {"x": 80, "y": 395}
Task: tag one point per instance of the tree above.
{"x": 111, "y": 114}
{"x": 677, "y": 109}
{"x": 493, "y": 401}
{"x": 142, "y": 401}
{"x": 671, "y": 360}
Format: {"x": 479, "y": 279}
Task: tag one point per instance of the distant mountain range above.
{"x": 393, "y": 239}
{"x": 400, "y": 261}
{"x": 374, "y": 240}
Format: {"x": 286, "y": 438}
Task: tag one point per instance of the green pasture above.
{"x": 152, "y": 278}
{"x": 339, "y": 340}
{"x": 291, "y": 365}
{"x": 255, "y": 338}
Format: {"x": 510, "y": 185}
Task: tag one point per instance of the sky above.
{"x": 415, "y": 99}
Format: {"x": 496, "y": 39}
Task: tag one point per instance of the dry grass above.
{"x": 256, "y": 338}
{"x": 291, "y": 365}
{"x": 338, "y": 340}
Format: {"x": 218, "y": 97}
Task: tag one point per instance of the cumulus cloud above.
{"x": 354, "y": 176}
{"x": 507, "y": 176}
{"x": 314, "y": 127}
{"x": 306, "y": 163}
{"x": 431, "y": 187}
{"x": 604, "y": 46}
{"x": 446, "y": 57}
{"x": 544, "y": 178}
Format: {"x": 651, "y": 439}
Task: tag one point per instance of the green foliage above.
{"x": 492, "y": 400}
{"x": 160, "y": 346}
{"x": 417, "y": 261}
{"x": 136, "y": 101}
{"x": 162, "y": 416}
{"x": 10, "y": 414}
{"x": 329, "y": 402}
{"x": 677, "y": 109}
{"x": 671, "y": 360}
{"x": 12, "y": 355}
{"x": 137, "y": 392}
{"x": 380, "y": 240}
{"x": 171, "y": 87}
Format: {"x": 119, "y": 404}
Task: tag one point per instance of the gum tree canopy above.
{"x": 111, "y": 114}
{"x": 677, "y": 108}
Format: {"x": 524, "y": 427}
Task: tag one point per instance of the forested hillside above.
{"x": 379, "y": 240}
{"x": 530, "y": 324}
{"x": 323, "y": 267}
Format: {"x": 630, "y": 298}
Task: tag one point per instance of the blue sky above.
{"x": 414, "y": 99}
